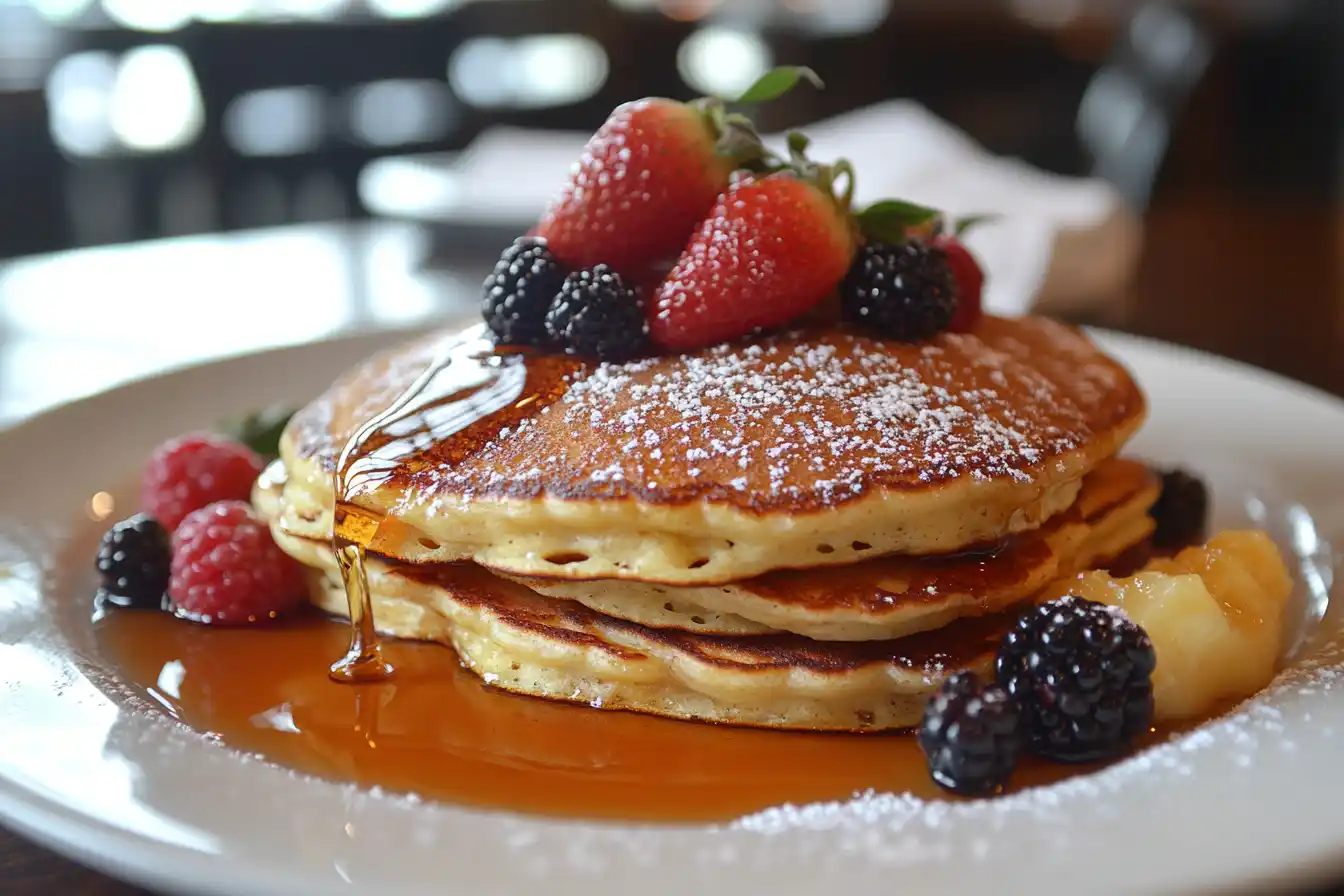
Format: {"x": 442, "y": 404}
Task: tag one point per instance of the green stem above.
{"x": 843, "y": 167}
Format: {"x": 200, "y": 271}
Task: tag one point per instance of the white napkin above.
{"x": 1060, "y": 243}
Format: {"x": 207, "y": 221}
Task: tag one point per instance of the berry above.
{"x": 191, "y": 471}
{"x": 133, "y": 563}
{"x": 227, "y": 569}
{"x": 645, "y": 179}
{"x": 770, "y": 249}
{"x": 970, "y": 280}
{"x": 970, "y": 735}
{"x": 1082, "y": 672}
{"x": 518, "y": 291}
{"x": 597, "y": 316}
{"x": 1181, "y": 511}
{"x": 903, "y": 291}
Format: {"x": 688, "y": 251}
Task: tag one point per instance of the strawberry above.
{"x": 645, "y": 178}
{"x": 772, "y": 248}
{"x": 970, "y": 282}
{"x": 650, "y": 174}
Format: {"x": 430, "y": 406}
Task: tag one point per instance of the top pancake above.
{"x": 803, "y": 449}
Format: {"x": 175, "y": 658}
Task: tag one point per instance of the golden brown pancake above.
{"x": 557, "y": 648}
{"x": 804, "y": 449}
{"x": 879, "y": 599}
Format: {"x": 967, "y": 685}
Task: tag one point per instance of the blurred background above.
{"x": 1218, "y": 124}
{"x": 130, "y": 119}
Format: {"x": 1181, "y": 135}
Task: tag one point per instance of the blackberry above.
{"x": 518, "y": 291}
{"x": 1181, "y": 511}
{"x": 904, "y": 291}
{"x": 597, "y": 316}
{"x": 970, "y": 735}
{"x": 133, "y": 563}
{"x": 1082, "y": 673}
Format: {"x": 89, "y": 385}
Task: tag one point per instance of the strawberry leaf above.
{"x": 777, "y": 82}
{"x": 965, "y": 224}
{"x": 889, "y": 220}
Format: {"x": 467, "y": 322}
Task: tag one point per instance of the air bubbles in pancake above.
{"x": 566, "y": 559}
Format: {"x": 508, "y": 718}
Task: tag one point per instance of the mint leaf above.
{"x": 260, "y": 430}
{"x": 889, "y": 220}
{"x": 777, "y": 82}
{"x": 965, "y": 224}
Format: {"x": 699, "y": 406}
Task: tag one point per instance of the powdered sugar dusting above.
{"x": 817, "y": 418}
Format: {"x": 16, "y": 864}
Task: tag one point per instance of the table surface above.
{"x": 1252, "y": 279}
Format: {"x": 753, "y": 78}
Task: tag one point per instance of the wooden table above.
{"x": 1260, "y": 281}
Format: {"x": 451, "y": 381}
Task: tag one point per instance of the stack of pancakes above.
{"x": 806, "y": 531}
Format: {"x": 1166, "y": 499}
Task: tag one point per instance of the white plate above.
{"x": 1247, "y": 799}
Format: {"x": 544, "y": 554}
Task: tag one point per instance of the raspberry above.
{"x": 525, "y": 281}
{"x": 191, "y": 471}
{"x": 1181, "y": 512}
{"x": 1082, "y": 672}
{"x": 133, "y": 562}
{"x": 228, "y": 570}
{"x": 970, "y": 280}
{"x": 904, "y": 291}
{"x": 596, "y": 315}
{"x": 970, "y": 735}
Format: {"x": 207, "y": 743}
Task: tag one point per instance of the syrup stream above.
{"x": 363, "y": 661}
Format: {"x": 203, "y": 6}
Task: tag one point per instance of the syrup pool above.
{"x": 436, "y": 731}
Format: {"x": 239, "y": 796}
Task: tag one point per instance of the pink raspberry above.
{"x": 227, "y": 569}
{"x": 191, "y": 471}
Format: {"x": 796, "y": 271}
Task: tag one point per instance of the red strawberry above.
{"x": 770, "y": 249}
{"x": 645, "y": 178}
{"x": 970, "y": 282}
{"x": 650, "y": 173}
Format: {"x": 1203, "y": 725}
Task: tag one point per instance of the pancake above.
{"x": 801, "y": 450}
{"x": 897, "y": 595}
{"x": 519, "y": 641}
{"x": 528, "y": 643}
{"x": 883, "y": 598}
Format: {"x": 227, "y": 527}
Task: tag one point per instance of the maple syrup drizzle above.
{"x": 466, "y": 393}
